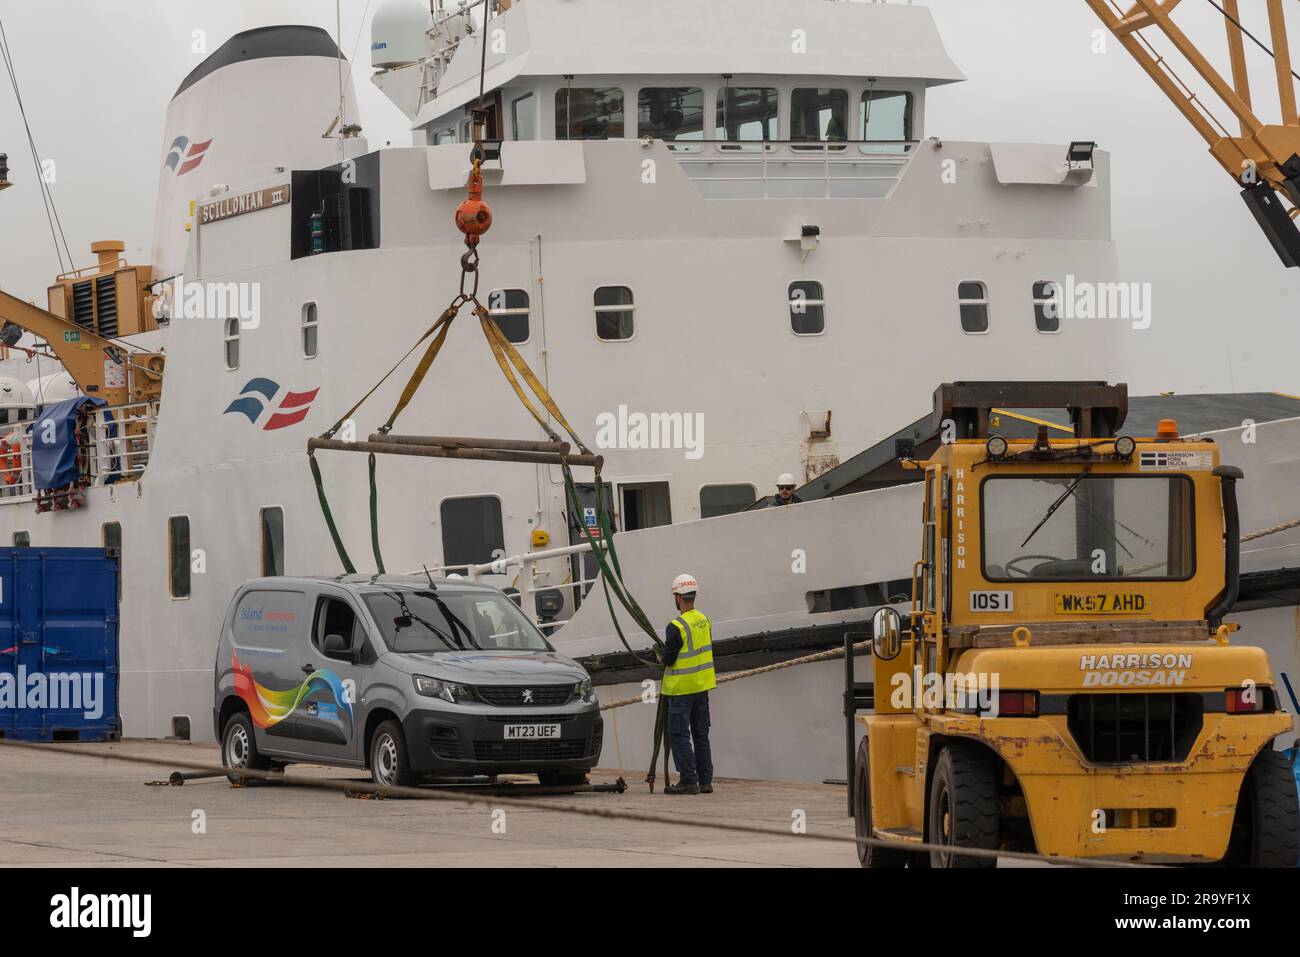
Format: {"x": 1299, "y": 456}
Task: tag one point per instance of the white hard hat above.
{"x": 785, "y": 479}
{"x": 685, "y": 585}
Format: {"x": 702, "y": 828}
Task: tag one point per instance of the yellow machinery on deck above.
{"x": 90, "y": 311}
{"x": 1065, "y": 682}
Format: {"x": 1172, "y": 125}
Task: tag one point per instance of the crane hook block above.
{"x": 473, "y": 216}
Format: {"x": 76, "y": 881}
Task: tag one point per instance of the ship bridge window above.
{"x": 671, "y": 113}
{"x": 472, "y": 531}
{"x": 615, "y": 313}
{"x": 1047, "y": 309}
{"x": 748, "y": 114}
{"x": 819, "y": 115}
{"x": 973, "y": 301}
{"x": 726, "y": 499}
{"x": 589, "y": 113}
{"x": 807, "y": 308}
{"x": 178, "y": 554}
{"x": 523, "y": 117}
{"x": 232, "y": 343}
{"x": 272, "y": 522}
{"x": 885, "y": 116}
{"x": 443, "y": 137}
{"x": 309, "y": 343}
{"x": 509, "y": 310}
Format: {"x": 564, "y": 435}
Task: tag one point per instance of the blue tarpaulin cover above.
{"x": 54, "y": 462}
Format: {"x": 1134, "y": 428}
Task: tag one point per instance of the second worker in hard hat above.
{"x": 688, "y": 677}
{"x": 785, "y": 491}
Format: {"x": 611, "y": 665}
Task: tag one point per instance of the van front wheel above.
{"x": 389, "y": 764}
{"x": 239, "y": 750}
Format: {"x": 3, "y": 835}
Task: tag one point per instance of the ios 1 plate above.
{"x": 532, "y": 732}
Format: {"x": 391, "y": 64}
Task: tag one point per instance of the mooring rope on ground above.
{"x": 611, "y": 814}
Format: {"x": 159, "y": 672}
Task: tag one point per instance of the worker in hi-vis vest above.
{"x": 687, "y": 658}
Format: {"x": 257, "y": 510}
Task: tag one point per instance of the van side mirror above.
{"x": 336, "y": 646}
{"x": 886, "y": 634}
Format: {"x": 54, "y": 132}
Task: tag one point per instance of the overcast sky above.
{"x": 96, "y": 77}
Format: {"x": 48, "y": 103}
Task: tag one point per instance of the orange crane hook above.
{"x": 473, "y": 216}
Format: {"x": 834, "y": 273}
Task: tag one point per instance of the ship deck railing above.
{"x": 794, "y": 169}
{"x": 530, "y": 580}
{"x": 118, "y": 444}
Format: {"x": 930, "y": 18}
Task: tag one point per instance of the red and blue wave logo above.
{"x": 258, "y": 395}
{"x": 185, "y": 155}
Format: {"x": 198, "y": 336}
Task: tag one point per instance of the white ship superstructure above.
{"x": 733, "y": 211}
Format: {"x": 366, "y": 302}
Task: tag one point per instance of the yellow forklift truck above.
{"x": 1065, "y": 682}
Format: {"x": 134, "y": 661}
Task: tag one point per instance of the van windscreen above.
{"x": 428, "y": 621}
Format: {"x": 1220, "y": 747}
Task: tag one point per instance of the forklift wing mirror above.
{"x": 886, "y": 634}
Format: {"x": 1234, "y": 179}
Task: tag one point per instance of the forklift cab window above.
{"x": 1087, "y": 527}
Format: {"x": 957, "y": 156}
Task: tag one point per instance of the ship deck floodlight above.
{"x": 1080, "y": 152}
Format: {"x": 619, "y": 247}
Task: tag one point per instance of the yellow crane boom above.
{"x": 1264, "y": 157}
{"x": 99, "y": 366}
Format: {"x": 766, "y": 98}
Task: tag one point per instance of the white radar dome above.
{"x": 398, "y": 33}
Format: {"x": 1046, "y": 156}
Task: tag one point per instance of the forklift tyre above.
{"x": 963, "y": 807}
{"x": 869, "y": 855}
{"x": 1266, "y": 831}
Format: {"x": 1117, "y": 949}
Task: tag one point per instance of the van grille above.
{"x": 562, "y": 750}
{"x": 512, "y": 696}
{"x": 1135, "y": 728}
{"x": 531, "y": 718}
{"x": 446, "y": 743}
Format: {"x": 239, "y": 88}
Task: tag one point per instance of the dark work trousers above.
{"x": 688, "y": 718}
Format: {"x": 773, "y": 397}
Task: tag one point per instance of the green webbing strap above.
{"x": 663, "y": 703}
{"x": 440, "y": 327}
{"x": 661, "y": 738}
{"x": 602, "y": 515}
{"x": 329, "y": 516}
{"x": 374, "y": 517}
{"x": 614, "y": 580}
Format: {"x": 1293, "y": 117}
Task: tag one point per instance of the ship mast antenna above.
{"x": 338, "y": 44}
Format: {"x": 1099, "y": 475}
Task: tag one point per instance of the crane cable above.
{"x": 1236, "y": 23}
{"x": 51, "y": 211}
{"x": 474, "y": 218}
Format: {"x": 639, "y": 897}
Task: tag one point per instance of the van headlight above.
{"x": 437, "y": 688}
{"x": 583, "y": 690}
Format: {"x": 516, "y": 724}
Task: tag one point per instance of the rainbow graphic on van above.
{"x": 269, "y": 708}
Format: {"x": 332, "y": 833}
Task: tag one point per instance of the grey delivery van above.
{"x": 403, "y": 676}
